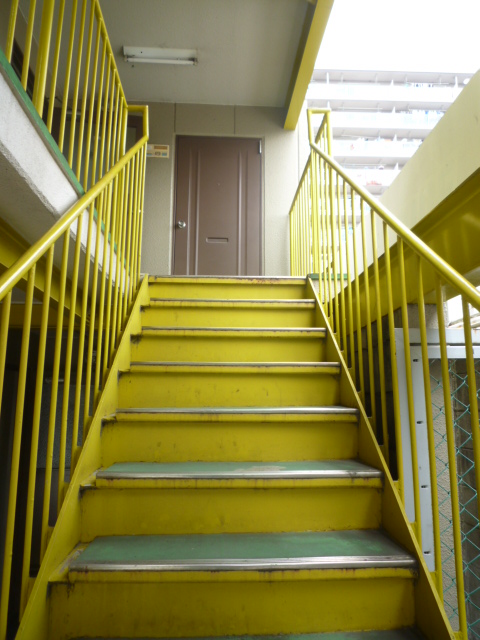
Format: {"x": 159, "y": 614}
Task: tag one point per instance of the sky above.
{"x": 406, "y": 35}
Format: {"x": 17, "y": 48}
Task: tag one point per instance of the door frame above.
{"x": 261, "y": 139}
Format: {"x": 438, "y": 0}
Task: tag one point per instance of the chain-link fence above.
{"x": 470, "y": 529}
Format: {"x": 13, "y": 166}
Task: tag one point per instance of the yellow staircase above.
{"x": 240, "y": 490}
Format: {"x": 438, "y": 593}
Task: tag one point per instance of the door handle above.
{"x": 181, "y": 224}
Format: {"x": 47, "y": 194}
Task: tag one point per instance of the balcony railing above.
{"x": 370, "y": 265}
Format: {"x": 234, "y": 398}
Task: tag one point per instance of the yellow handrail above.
{"x": 333, "y": 225}
{"x": 109, "y": 212}
{"x": 20, "y": 268}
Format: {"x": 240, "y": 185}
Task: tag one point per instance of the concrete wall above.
{"x": 283, "y": 160}
{"x": 448, "y": 156}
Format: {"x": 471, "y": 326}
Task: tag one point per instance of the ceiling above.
{"x": 247, "y": 49}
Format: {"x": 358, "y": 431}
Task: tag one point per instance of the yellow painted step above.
{"x": 228, "y": 345}
{"x": 187, "y": 586}
{"x": 237, "y": 435}
{"x": 229, "y": 313}
{"x": 227, "y": 287}
{"x": 181, "y": 498}
{"x": 227, "y": 384}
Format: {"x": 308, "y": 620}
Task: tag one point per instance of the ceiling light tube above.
{"x": 158, "y": 55}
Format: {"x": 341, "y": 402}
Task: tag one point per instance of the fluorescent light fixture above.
{"x": 158, "y": 55}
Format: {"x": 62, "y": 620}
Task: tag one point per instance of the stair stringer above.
{"x": 430, "y": 616}
{"x": 67, "y": 531}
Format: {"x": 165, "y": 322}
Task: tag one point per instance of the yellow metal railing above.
{"x": 95, "y": 290}
{"x": 77, "y": 89}
{"x": 370, "y": 265}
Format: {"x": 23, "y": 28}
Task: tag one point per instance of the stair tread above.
{"x": 310, "y": 332}
{"x": 239, "y": 366}
{"x": 391, "y": 634}
{"x": 306, "y": 303}
{"x": 266, "y": 280}
{"x": 325, "y": 549}
{"x": 245, "y": 470}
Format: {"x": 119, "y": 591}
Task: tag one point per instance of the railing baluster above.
{"x": 73, "y": 122}
{"x": 68, "y": 71}
{"x": 113, "y": 256}
{"x": 113, "y": 92}
{"x": 124, "y": 273}
{"x": 15, "y": 456}
{"x": 129, "y": 233}
{"x": 393, "y": 366}
{"x": 54, "y": 395}
{"x": 104, "y": 121}
{"x": 113, "y": 150}
{"x": 326, "y": 288}
{"x": 27, "y": 546}
{"x": 409, "y": 381}
{"x": 101, "y": 304}
{"x": 329, "y": 248}
{"x": 135, "y": 227}
{"x": 368, "y": 319}
{"x": 342, "y": 310}
{"x": 83, "y": 110}
{"x": 142, "y": 204}
{"x": 333, "y": 226}
{"x": 381, "y": 354}
{"x": 351, "y": 330}
{"x": 5, "y": 320}
{"x": 430, "y": 432}
{"x": 12, "y": 21}
{"x": 81, "y": 339}
{"x": 62, "y": 485}
{"x": 361, "y": 376}
{"x": 28, "y": 43}
{"x": 42, "y": 56}
{"x": 118, "y": 265}
{"x": 452, "y": 463}
{"x": 93, "y": 310}
{"x": 56, "y": 58}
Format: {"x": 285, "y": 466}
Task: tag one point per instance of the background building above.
{"x": 380, "y": 118}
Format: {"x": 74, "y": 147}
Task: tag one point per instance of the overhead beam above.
{"x": 316, "y": 23}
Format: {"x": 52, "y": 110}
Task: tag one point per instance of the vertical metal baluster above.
{"x": 430, "y": 432}
{"x": 381, "y": 354}
{"x": 15, "y": 459}
{"x": 27, "y": 546}
{"x": 356, "y": 283}
{"x": 73, "y": 123}
{"x": 54, "y": 395}
{"x": 393, "y": 366}
{"x": 452, "y": 463}
{"x": 81, "y": 342}
{"x": 62, "y": 485}
{"x": 368, "y": 319}
{"x": 28, "y": 43}
{"x": 56, "y": 58}
{"x": 411, "y": 407}
{"x": 351, "y": 326}
{"x": 68, "y": 71}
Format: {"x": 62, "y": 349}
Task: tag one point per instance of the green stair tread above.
{"x": 138, "y": 550}
{"x": 394, "y": 634}
{"x": 321, "y": 468}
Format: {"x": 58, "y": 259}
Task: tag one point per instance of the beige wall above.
{"x": 281, "y": 162}
{"x": 448, "y": 156}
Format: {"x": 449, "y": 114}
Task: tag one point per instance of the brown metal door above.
{"x": 218, "y": 221}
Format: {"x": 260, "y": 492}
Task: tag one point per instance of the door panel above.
{"x": 218, "y": 221}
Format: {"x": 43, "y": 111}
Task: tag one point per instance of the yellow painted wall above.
{"x": 282, "y": 158}
{"x": 448, "y": 156}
